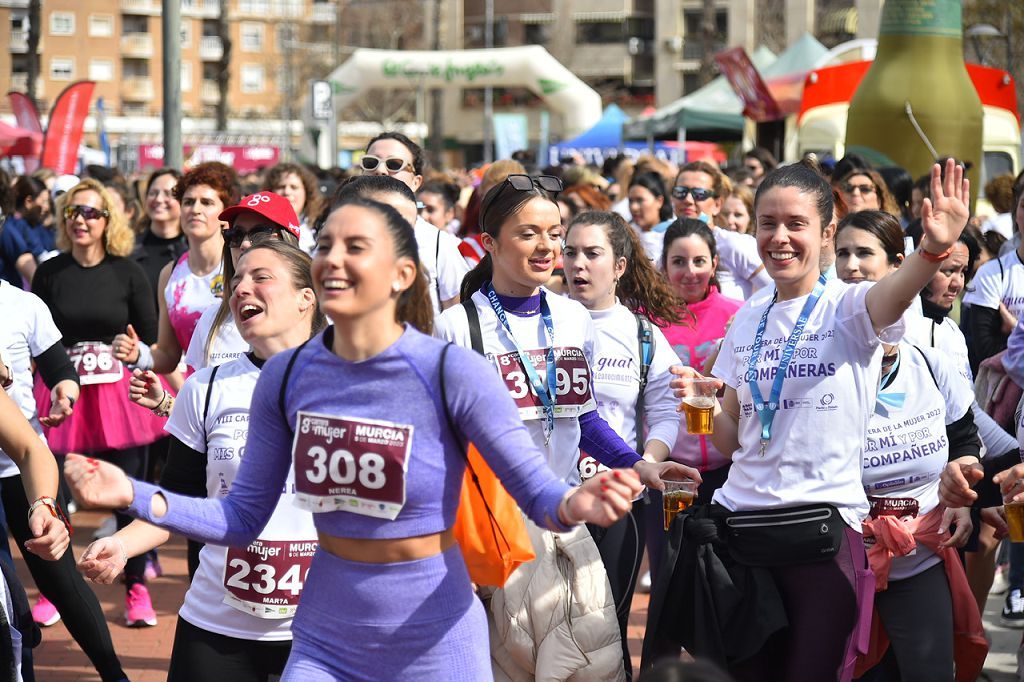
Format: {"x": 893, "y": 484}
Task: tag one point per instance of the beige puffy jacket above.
{"x": 555, "y": 617}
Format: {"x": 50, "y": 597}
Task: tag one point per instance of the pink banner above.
{"x": 64, "y": 131}
{"x": 246, "y": 158}
{"x": 758, "y": 103}
{"x": 27, "y": 116}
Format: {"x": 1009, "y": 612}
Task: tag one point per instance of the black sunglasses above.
{"x": 524, "y": 183}
{"x": 87, "y": 212}
{"x": 234, "y": 236}
{"x": 698, "y": 193}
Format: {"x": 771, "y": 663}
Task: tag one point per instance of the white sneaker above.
{"x": 1000, "y": 583}
{"x": 643, "y": 586}
{"x": 106, "y": 529}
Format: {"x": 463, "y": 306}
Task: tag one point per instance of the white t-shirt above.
{"x": 574, "y": 356}
{"x": 906, "y": 447}
{"x": 445, "y": 266}
{"x": 814, "y": 455}
{"x": 1001, "y": 223}
{"x": 222, "y": 438}
{"x": 945, "y": 336}
{"x": 993, "y": 285}
{"x": 28, "y": 330}
{"x": 740, "y": 270}
{"x": 227, "y": 345}
{"x": 654, "y": 242}
{"x": 307, "y": 240}
{"x": 617, "y": 378}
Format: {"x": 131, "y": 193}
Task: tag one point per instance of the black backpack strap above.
{"x": 476, "y": 338}
{"x": 928, "y": 365}
{"x": 645, "y": 341}
{"x": 206, "y": 402}
{"x": 437, "y": 269}
{"x": 284, "y": 383}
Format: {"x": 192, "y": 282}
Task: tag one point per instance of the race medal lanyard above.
{"x": 547, "y": 395}
{"x": 766, "y": 410}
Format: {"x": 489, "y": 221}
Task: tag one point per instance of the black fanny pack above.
{"x": 784, "y": 537}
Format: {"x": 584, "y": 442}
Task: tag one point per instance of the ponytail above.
{"x": 476, "y": 278}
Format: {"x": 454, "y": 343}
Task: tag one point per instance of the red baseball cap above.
{"x": 269, "y": 205}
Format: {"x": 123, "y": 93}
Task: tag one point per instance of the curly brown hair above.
{"x": 221, "y": 178}
{"x": 314, "y": 200}
{"x": 641, "y": 288}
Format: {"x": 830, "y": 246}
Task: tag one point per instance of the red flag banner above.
{"x": 64, "y": 131}
{"x": 27, "y": 117}
{"x": 758, "y": 103}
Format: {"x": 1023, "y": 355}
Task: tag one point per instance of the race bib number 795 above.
{"x": 350, "y": 464}
{"x": 572, "y": 374}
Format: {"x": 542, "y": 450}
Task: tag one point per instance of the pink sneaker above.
{"x": 44, "y": 612}
{"x": 139, "y": 611}
{"x": 153, "y": 569}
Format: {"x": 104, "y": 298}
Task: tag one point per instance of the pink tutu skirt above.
{"x": 104, "y": 418}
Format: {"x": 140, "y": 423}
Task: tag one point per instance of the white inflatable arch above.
{"x": 530, "y": 66}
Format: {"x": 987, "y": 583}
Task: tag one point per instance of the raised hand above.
{"x": 97, "y": 484}
{"x": 653, "y": 474}
{"x": 50, "y": 537}
{"x": 103, "y": 561}
{"x": 126, "y": 346}
{"x": 60, "y": 408}
{"x": 945, "y": 214}
{"x": 145, "y": 389}
{"x": 956, "y": 482}
{"x": 682, "y": 385}
{"x": 605, "y": 498}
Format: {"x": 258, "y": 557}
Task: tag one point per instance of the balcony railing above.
{"x": 19, "y": 40}
{"x": 208, "y": 93}
{"x": 147, "y": 7}
{"x": 137, "y": 45}
{"x": 693, "y": 49}
{"x": 324, "y": 13}
{"x": 19, "y": 81}
{"x": 210, "y": 48}
{"x": 137, "y": 89}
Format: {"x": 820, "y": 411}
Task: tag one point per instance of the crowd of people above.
{"x": 351, "y": 333}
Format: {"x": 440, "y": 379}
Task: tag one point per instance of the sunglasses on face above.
{"x": 87, "y": 212}
{"x": 524, "y": 183}
{"x": 698, "y": 193}
{"x": 863, "y": 189}
{"x": 234, "y": 236}
{"x": 392, "y": 164}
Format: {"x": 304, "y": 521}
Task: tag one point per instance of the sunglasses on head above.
{"x": 87, "y": 212}
{"x": 524, "y": 183}
{"x": 850, "y": 188}
{"x": 234, "y": 236}
{"x": 392, "y": 164}
{"x": 698, "y": 193}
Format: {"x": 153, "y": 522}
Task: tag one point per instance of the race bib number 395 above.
{"x": 265, "y": 579}
{"x": 572, "y": 374}
{"x": 350, "y": 464}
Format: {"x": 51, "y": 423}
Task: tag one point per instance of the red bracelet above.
{"x": 55, "y": 511}
{"x": 935, "y": 257}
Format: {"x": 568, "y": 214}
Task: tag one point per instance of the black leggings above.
{"x": 622, "y": 549}
{"x": 63, "y": 585}
{"x": 918, "y": 617}
{"x": 133, "y": 462}
{"x": 203, "y": 656}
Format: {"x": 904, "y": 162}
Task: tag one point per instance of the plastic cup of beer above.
{"x": 1015, "y": 520}
{"x": 699, "y": 407}
{"x": 677, "y": 497}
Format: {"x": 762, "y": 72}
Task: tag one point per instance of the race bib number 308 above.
{"x": 265, "y": 579}
{"x": 572, "y": 373}
{"x": 350, "y": 464}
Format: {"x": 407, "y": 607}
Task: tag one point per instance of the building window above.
{"x": 252, "y": 37}
{"x": 186, "y": 34}
{"x": 62, "y": 68}
{"x": 186, "y": 77}
{"x": 135, "y": 68}
{"x": 131, "y": 23}
{"x": 101, "y": 25}
{"x": 62, "y": 23}
{"x": 253, "y": 78}
{"x": 537, "y": 34}
{"x": 254, "y": 7}
{"x": 101, "y": 70}
{"x": 599, "y": 32}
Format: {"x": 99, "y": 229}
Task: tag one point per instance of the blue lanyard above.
{"x": 548, "y": 395}
{"x": 766, "y": 410}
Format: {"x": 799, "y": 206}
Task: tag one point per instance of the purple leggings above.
{"x": 828, "y": 605}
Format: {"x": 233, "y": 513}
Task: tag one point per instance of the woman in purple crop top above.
{"x": 360, "y": 419}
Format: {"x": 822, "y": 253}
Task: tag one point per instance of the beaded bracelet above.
{"x": 163, "y": 408}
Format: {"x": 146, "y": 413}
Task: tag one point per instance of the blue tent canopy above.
{"x": 607, "y": 132}
{"x": 604, "y": 140}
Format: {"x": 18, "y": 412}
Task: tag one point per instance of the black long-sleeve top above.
{"x": 99, "y": 302}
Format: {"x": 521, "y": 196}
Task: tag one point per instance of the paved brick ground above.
{"x": 144, "y": 652}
